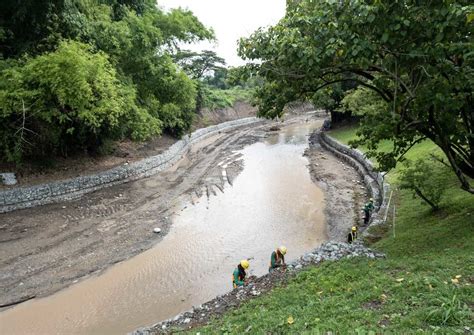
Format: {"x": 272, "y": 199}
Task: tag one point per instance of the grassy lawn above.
{"x": 426, "y": 284}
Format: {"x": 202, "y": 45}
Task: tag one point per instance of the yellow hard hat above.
{"x": 283, "y": 250}
{"x": 354, "y": 228}
{"x": 245, "y": 264}
{"x": 371, "y": 199}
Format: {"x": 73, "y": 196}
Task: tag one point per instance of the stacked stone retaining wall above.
{"x": 378, "y": 188}
{"x": 329, "y": 251}
{"x": 24, "y": 197}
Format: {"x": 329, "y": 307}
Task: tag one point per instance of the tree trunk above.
{"x": 418, "y": 192}
{"x": 457, "y": 170}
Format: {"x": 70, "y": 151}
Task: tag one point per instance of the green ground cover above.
{"x": 214, "y": 98}
{"x": 425, "y": 285}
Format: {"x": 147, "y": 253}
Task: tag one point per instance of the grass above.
{"x": 425, "y": 285}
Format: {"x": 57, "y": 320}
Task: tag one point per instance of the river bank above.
{"x": 117, "y": 153}
{"x": 424, "y": 285}
{"x": 47, "y": 248}
{"x": 345, "y": 194}
{"x": 201, "y": 315}
{"x": 207, "y": 162}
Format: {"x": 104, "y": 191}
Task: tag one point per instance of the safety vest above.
{"x": 233, "y": 281}
{"x": 277, "y": 259}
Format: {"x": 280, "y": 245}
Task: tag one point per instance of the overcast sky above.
{"x": 231, "y": 19}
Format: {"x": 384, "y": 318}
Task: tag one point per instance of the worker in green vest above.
{"x": 368, "y": 208}
{"x": 238, "y": 277}
{"x": 277, "y": 259}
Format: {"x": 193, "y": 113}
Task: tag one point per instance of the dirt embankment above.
{"x": 206, "y": 117}
{"x": 343, "y": 187}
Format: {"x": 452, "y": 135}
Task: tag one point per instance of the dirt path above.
{"x": 47, "y": 248}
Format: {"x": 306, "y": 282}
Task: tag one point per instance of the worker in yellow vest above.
{"x": 238, "y": 278}
{"x": 277, "y": 259}
{"x": 352, "y": 236}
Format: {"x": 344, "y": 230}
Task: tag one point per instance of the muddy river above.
{"x": 272, "y": 202}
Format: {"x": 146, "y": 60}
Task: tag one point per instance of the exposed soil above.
{"x": 344, "y": 189}
{"x": 47, "y": 248}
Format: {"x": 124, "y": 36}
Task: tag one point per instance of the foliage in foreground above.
{"x": 424, "y": 286}
{"x": 74, "y": 74}
{"x": 416, "y": 55}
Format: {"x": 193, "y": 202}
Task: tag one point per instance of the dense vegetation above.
{"x": 74, "y": 73}
{"x": 417, "y": 56}
{"x": 424, "y": 285}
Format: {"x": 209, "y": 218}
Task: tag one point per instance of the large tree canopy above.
{"x": 73, "y": 73}
{"x": 417, "y": 55}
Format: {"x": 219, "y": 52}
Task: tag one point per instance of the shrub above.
{"x": 427, "y": 179}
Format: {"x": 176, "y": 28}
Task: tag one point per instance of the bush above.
{"x": 426, "y": 179}
{"x": 449, "y": 311}
{"x": 64, "y": 101}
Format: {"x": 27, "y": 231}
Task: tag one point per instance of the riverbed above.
{"x": 271, "y": 202}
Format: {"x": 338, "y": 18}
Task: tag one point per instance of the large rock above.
{"x": 8, "y": 179}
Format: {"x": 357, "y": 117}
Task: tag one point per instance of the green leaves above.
{"x": 469, "y": 17}
{"x": 92, "y": 70}
{"x": 416, "y": 57}
{"x": 65, "y": 93}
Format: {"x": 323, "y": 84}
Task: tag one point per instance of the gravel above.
{"x": 199, "y": 315}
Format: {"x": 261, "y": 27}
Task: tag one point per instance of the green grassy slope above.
{"x": 426, "y": 284}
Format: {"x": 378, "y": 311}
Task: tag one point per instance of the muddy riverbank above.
{"x": 66, "y": 242}
{"x": 47, "y": 248}
{"x": 345, "y": 194}
{"x": 201, "y": 315}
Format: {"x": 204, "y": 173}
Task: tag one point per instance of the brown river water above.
{"x": 272, "y": 202}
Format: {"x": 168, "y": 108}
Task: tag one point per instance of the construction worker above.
{"x": 277, "y": 258}
{"x": 238, "y": 278}
{"x": 368, "y": 208}
{"x": 352, "y": 236}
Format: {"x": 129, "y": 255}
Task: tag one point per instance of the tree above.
{"x": 63, "y": 101}
{"x": 427, "y": 181}
{"x": 363, "y": 102}
{"x": 74, "y": 73}
{"x": 199, "y": 64}
{"x": 218, "y": 79}
{"x": 417, "y": 55}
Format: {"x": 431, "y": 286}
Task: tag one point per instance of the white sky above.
{"x": 230, "y": 19}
